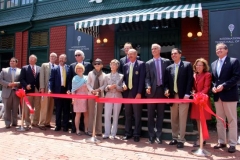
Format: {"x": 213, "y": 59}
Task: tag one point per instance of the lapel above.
{"x": 214, "y": 68}
{"x": 180, "y": 69}
{"x": 125, "y": 60}
{"x": 128, "y": 65}
{"x": 162, "y": 67}
{"x": 135, "y": 67}
{"x": 224, "y": 65}
{"x": 30, "y": 70}
{"x": 172, "y": 69}
{"x": 153, "y": 67}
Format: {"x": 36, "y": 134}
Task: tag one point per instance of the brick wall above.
{"x": 194, "y": 49}
{"x": 58, "y": 40}
{"x": 106, "y": 51}
{"x": 21, "y": 48}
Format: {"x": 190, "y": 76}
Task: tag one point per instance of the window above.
{"x": 26, "y": 1}
{"x": 12, "y": 3}
{"x": 1, "y": 4}
{"x": 7, "y": 42}
{"x": 39, "y": 39}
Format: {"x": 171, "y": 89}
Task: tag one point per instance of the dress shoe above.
{"x": 105, "y": 136}
{"x": 232, "y": 149}
{"x": 112, "y": 137}
{"x": 219, "y": 145}
{"x": 151, "y": 140}
{"x": 173, "y": 142}
{"x": 73, "y": 131}
{"x": 49, "y": 126}
{"x": 158, "y": 140}
{"x": 180, "y": 145}
{"x": 7, "y": 126}
{"x": 65, "y": 129}
{"x": 57, "y": 129}
{"x": 42, "y": 127}
{"x": 136, "y": 138}
{"x": 99, "y": 134}
{"x": 14, "y": 125}
{"x": 126, "y": 137}
{"x": 34, "y": 125}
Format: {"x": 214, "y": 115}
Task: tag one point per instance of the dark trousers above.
{"x": 130, "y": 110}
{"x": 62, "y": 110}
{"x": 159, "y": 107}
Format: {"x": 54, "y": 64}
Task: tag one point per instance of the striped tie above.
{"x": 33, "y": 71}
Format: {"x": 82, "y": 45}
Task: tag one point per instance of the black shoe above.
{"x": 65, "y": 129}
{"x": 136, "y": 139}
{"x": 158, "y": 140}
{"x": 151, "y": 140}
{"x": 180, "y": 145}
{"x": 14, "y": 125}
{"x": 126, "y": 137}
{"x": 57, "y": 129}
{"x": 231, "y": 149}
{"x": 173, "y": 142}
{"x": 42, "y": 128}
{"x": 49, "y": 126}
{"x": 73, "y": 131}
{"x": 7, "y": 126}
{"x": 219, "y": 145}
{"x": 99, "y": 134}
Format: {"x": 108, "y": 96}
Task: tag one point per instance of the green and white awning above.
{"x": 177, "y": 11}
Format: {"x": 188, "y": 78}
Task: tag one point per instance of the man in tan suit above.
{"x": 9, "y": 79}
{"x": 47, "y": 103}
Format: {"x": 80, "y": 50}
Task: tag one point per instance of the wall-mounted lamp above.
{"x": 2, "y": 32}
{"x": 105, "y": 40}
{"x": 190, "y": 35}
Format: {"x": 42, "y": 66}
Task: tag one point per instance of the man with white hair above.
{"x": 47, "y": 103}
{"x": 79, "y": 56}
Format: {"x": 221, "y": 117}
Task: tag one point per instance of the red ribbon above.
{"x": 22, "y": 95}
{"x": 201, "y": 100}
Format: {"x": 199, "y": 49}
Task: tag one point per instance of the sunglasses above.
{"x": 78, "y": 55}
{"x": 97, "y": 64}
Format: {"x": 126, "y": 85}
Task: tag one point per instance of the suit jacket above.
{"x": 229, "y": 77}
{"x": 151, "y": 74}
{"x": 55, "y": 82}
{"x": 27, "y": 77}
{"x": 91, "y": 80}
{"x": 123, "y": 61}
{"x": 118, "y": 80}
{"x": 6, "y": 78}
{"x": 71, "y": 73}
{"x": 184, "y": 79}
{"x": 138, "y": 79}
{"x": 45, "y": 72}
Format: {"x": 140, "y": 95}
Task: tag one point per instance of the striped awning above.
{"x": 177, "y": 11}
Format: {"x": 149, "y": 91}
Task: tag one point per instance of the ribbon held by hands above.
{"x": 201, "y": 100}
{"x": 22, "y": 95}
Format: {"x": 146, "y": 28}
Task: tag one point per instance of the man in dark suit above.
{"x": 178, "y": 85}
{"x": 225, "y": 76}
{"x": 58, "y": 84}
{"x": 155, "y": 69}
{"x": 134, "y": 75}
{"x": 9, "y": 79}
{"x": 29, "y": 79}
{"x": 125, "y": 59}
{"x": 79, "y": 56}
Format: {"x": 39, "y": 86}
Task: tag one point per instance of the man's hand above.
{"x": 68, "y": 92}
{"x": 10, "y": 85}
{"x": 219, "y": 88}
{"x": 138, "y": 96}
{"x": 166, "y": 93}
{"x": 28, "y": 87}
{"x": 42, "y": 90}
{"x": 148, "y": 90}
{"x": 186, "y": 97}
{"x": 214, "y": 90}
{"x": 124, "y": 87}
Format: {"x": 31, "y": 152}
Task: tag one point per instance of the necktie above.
{"x": 52, "y": 65}
{"x": 33, "y": 71}
{"x": 158, "y": 73}
{"x": 219, "y": 67}
{"x": 63, "y": 76}
{"x": 175, "y": 79}
{"x": 130, "y": 76}
{"x": 13, "y": 74}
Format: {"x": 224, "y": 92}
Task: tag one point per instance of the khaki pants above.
{"x": 179, "y": 113}
{"x": 47, "y": 104}
{"x": 35, "y": 102}
{"x": 227, "y": 110}
{"x": 91, "y": 113}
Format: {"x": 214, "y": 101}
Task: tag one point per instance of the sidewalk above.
{"x": 49, "y": 144}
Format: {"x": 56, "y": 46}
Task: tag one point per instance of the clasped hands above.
{"x": 219, "y": 88}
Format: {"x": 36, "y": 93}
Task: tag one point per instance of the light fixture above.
{"x": 190, "y": 35}
{"x": 2, "y": 32}
{"x": 98, "y": 41}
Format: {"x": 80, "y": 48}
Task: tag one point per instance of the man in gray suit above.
{"x": 155, "y": 69}
{"x": 47, "y": 103}
{"x": 9, "y": 79}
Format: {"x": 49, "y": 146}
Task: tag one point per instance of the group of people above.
{"x": 129, "y": 78}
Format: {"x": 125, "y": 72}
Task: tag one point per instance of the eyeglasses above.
{"x": 97, "y": 64}
{"x": 219, "y": 49}
{"x": 78, "y": 55}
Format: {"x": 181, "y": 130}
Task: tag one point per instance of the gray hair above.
{"x": 34, "y": 56}
{"x": 222, "y": 44}
{"x": 64, "y": 55}
{"x": 80, "y": 52}
{"x": 53, "y": 54}
{"x": 115, "y": 61}
{"x": 157, "y": 45}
